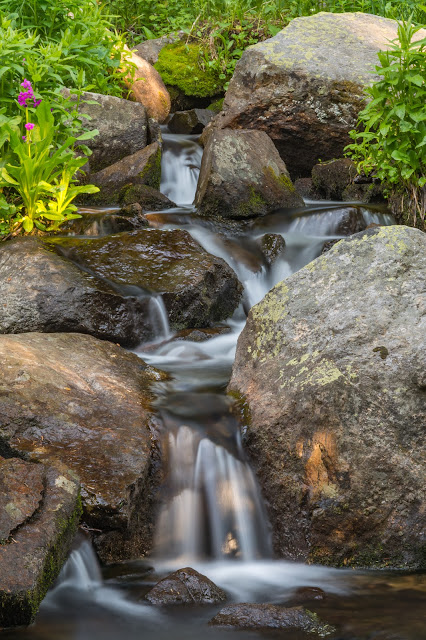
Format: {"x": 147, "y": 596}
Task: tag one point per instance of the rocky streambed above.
{"x": 210, "y": 387}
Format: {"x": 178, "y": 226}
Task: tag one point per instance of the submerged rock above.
{"x": 86, "y": 402}
{"x": 331, "y": 366}
{"x": 42, "y": 291}
{"x": 141, "y": 168}
{"x": 39, "y": 513}
{"x": 122, "y": 127}
{"x": 270, "y": 616}
{"x": 242, "y": 176}
{"x": 305, "y": 86}
{"x": 186, "y": 586}
{"x": 197, "y": 288}
{"x": 190, "y": 122}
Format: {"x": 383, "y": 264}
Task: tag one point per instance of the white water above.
{"x": 180, "y": 167}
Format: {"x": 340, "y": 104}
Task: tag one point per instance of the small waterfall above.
{"x": 180, "y": 167}
{"x": 159, "y": 319}
{"x": 215, "y": 510}
{"x": 82, "y": 571}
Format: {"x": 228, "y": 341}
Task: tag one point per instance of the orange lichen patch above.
{"x": 321, "y": 464}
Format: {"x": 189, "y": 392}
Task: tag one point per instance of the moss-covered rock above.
{"x": 180, "y": 65}
{"x": 45, "y": 507}
{"x": 242, "y": 176}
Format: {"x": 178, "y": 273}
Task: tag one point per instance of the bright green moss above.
{"x": 179, "y": 65}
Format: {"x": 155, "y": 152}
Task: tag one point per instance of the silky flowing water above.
{"x": 212, "y": 517}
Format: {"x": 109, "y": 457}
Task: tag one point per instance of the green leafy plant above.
{"x": 390, "y": 140}
{"x": 37, "y": 175}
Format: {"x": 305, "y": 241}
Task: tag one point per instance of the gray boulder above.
{"x": 305, "y": 86}
{"x": 122, "y": 127}
{"x": 40, "y": 510}
{"x": 86, "y": 402}
{"x": 42, "y": 291}
{"x": 186, "y": 586}
{"x": 242, "y": 176}
{"x": 332, "y": 369}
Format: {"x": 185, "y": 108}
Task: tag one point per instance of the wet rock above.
{"x": 122, "y": 127}
{"x": 186, "y": 586}
{"x": 103, "y": 222}
{"x": 242, "y": 176}
{"x": 147, "y": 88}
{"x": 329, "y": 366}
{"x": 305, "y": 187}
{"x": 270, "y": 616}
{"x": 330, "y": 179}
{"x": 305, "y": 86}
{"x": 307, "y": 594}
{"x": 367, "y": 192}
{"x": 201, "y": 335}
{"x": 272, "y": 246}
{"x": 42, "y": 291}
{"x": 196, "y": 287}
{"x": 148, "y": 198}
{"x": 86, "y": 402}
{"x": 190, "y": 122}
{"x": 350, "y": 221}
{"x": 39, "y": 513}
{"x": 141, "y": 168}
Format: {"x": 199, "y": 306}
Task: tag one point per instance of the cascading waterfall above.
{"x": 216, "y": 509}
{"x": 180, "y": 167}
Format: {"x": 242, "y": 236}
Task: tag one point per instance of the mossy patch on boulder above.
{"x": 179, "y": 65}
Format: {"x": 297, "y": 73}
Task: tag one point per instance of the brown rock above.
{"x": 190, "y": 122}
{"x": 148, "y": 88}
{"x": 48, "y": 501}
{"x": 272, "y": 246}
{"x": 196, "y": 287}
{"x": 86, "y": 402}
{"x": 270, "y": 616}
{"x": 242, "y": 176}
{"x": 330, "y": 179}
{"x": 186, "y": 586}
{"x": 141, "y": 168}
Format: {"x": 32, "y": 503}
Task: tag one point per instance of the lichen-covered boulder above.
{"x": 86, "y": 402}
{"x": 331, "y": 367}
{"x": 40, "y": 510}
{"x": 305, "y": 86}
{"x": 115, "y": 181}
{"x": 122, "y": 126}
{"x": 242, "y": 176}
{"x": 185, "y": 586}
{"x": 270, "y": 616}
{"x": 197, "y": 288}
{"x": 147, "y": 87}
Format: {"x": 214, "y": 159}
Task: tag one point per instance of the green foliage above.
{"x": 391, "y": 136}
{"x": 37, "y": 178}
{"x": 181, "y": 65}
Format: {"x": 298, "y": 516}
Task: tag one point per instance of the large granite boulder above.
{"x": 197, "y": 288}
{"x": 42, "y": 291}
{"x": 122, "y": 126}
{"x": 86, "y": 402}
{"x": 305, "y": 86}
{"x": 270, "y": 616}
{"x": 40, "y": 509}
{"x": 242, "y": 176}
{"x": 185, "y": 586}
{"x": 331, "y": 369}
{"x": 147, "y": 88}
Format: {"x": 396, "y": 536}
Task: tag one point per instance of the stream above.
{"x": 212, "y": 516}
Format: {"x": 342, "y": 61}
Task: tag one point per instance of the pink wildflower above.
{"x": 29, "y": 126}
